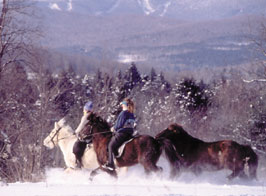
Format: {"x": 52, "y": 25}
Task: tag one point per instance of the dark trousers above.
{"x": 78, "y": 149}
{"x": 116, "y": 141}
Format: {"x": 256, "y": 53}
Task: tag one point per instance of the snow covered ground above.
{"x": 58, "y": 183}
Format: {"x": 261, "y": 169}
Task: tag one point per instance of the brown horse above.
{"x": 143, "y": 149}
{"x": 197, "y": 155}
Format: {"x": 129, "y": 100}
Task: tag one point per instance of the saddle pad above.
{"x": 121, "y": 148}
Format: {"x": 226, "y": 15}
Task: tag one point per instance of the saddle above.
{"x": 122, "y": 147}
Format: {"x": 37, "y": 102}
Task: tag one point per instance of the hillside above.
{"x": 157, "y": 41}
{"x": 181, "y": 9}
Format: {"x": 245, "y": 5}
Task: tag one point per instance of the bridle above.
{"x": 56, "y": 134}
{"x": 91, "y": 129}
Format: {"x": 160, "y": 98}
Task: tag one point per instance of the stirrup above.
{"x": 108, "y": 166}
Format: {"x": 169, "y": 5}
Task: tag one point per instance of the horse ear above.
{"x": 56, "y": 125}
{"x": 174, "y": 127}
{"x": 62, "y": 122}
{"x": 90, "y": 116}
{"x": 171, "y": 127}
{"x": 99, "y": 119}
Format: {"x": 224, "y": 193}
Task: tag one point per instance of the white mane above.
{"x": 62, "y": 123}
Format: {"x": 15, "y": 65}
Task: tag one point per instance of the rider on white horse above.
{"x": 81, "y": 143}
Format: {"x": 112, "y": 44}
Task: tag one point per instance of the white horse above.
{"x": 63, "y": 136}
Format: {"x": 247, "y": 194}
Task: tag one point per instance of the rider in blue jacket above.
{"x": 123, "y": 131}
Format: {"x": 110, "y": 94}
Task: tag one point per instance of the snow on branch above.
{"x": 255, "y": 80}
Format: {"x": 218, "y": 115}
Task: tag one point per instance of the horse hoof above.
{"x": 230, "y": 178}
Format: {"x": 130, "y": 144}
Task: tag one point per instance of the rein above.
{"x": 99, "y": 133}
{"x": 56, "y": 134}
{"x": 91, "y": 134}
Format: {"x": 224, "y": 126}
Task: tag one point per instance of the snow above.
{"x": 146, "y": 6}
{"x": 69, "y": 5}
{"x": 59, "y": 183}
{"x": 165, "y": 8}
{"x": 54, "y": 6}
{"x": 128, "y": 58}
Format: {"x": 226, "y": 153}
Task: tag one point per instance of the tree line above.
{"x": 226, "y": 107}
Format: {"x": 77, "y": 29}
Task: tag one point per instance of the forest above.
{"x": 227, "y": 107}
{"x": 210, "y": 103}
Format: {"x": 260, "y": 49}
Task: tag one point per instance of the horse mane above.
{"x": 176, "y": 126}
{"x": 99, "y": 121}
{"x": 62, "y": 123}
{"x": 178, "y": 129}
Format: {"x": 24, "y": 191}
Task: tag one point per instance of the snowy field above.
{"x": 135, "y": 183}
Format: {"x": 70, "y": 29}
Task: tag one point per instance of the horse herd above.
{"x": 183, "y": 152}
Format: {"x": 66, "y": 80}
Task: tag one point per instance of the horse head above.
{"x": 94, "y": 124}
{"x": 172, "y": 129}
{"x": 60, "y": 130}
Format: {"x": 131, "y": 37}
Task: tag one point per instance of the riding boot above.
{"x": 116, "y": 141}
{"x": 78, "y": 163}
{"x": 78, "y": 151}
{"x": 110, "y": 163}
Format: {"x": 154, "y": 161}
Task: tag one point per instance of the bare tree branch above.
{"x": 16, "y": 32}
{"x": 255, "y": 80}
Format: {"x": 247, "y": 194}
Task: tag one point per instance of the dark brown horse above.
{"x": 197, "y": 155}
{"x": 143, "y": 149}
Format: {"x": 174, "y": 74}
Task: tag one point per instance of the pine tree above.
{"x": 192, "y": 96}
{"x": 132, "y": 77}
{"x": 151, "y": 97}
{"x": 67, "y": 84}
{"x": 153, "y": 74}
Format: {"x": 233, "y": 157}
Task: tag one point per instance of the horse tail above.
{"x": 251, "y": 162}
{"x": 171, "y": 155}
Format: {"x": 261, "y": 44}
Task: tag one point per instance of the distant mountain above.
{"x": 181, "y": 9}
{"x": 140, "y": 31}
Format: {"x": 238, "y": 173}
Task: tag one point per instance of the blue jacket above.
{"x": 125, "y": 122}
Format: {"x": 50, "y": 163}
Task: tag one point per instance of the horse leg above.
{"x": 242, "y": 175}
{"x": 175, "y": 171}
{"x": 111, "y": 173}
{"x": 251, "y": 169}
{"x": 149, "y": 164}
{"x": 151, "y": 167}
{"x": 69, "y": 170}
{"x": 235, "y": 173}
{"x": 238, "y": 169}
{"x": 149, "y": 170}
{"x": 78, "y": 150}
{"x": 94, "y": 173}
{"x": 252, "y": 173}
{"x": 196, "y": 170}
{"x": 122, "y": 171}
